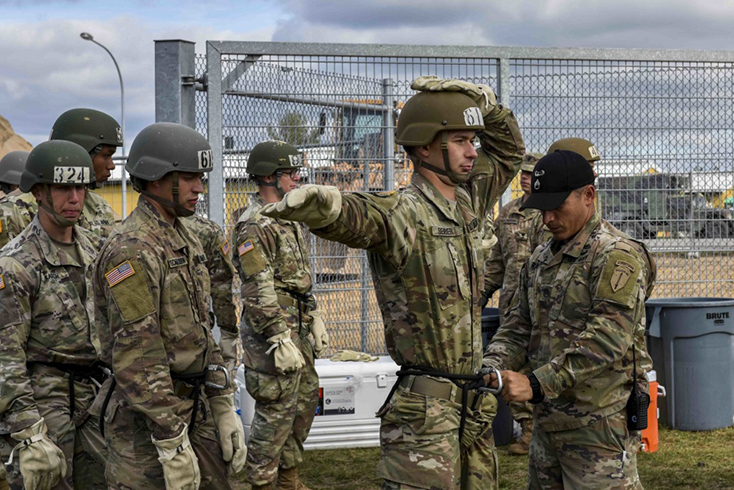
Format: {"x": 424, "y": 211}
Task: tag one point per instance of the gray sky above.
{"x": 46, "y": 68}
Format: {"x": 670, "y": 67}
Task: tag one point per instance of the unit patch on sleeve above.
{"x": 225, "y": 248}
{"x": 120, "y": 273}
{"x": 245, "y": 247}
{"x": 619, "y": 279}
{"x": 2, "y": 282}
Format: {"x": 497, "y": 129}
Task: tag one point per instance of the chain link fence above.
{"x": 664, "y": 129}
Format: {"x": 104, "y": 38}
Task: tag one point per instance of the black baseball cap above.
{"x": 556, "y": 175}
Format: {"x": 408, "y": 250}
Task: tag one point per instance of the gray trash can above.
{"x": 691, "y": 341}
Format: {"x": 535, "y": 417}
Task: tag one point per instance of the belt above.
{"x": 445, "y": 390}
{"x": 94, "y": 372}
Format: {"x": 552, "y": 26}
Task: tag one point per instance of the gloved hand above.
{"x": 353, "y": 355}
{"x": 42, "y": 463}
{"x": 228, "y": 346}
{"x": 231, "y": 432}
{"x": 180, "y": 464}
{"x": 320, "y": 335}
{"x": 482, "y": 94}
{"x": 288, "y": 359}
{"x": 315, "y": 205}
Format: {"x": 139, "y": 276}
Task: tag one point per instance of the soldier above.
{"x": 11, "y": 168}
{"x": 278, "y": 314}
{"x": 168, "y": 414}
{"x": 517, "y": 234}
{"x": 578, "y": 316}
{"x": 583, "y": 147}
{"x": 48, "y": 360}
{"x": 221, "y": 274}
{"x": 100, "y": 135}
{"x": 424, "y": 249}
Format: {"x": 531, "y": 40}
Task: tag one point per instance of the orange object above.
{"x": 650, "y": 435}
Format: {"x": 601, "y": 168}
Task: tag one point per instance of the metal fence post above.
{"x": 505, "y": 89}
{"x": 388, "y": 136}
{"x": 214, "y": 125}
{"x": 174, "y": 82}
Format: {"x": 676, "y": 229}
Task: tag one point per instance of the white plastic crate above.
{"x": 349, "y": 395}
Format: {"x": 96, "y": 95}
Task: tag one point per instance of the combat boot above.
{"x": 288, "y": 480}
{"x": 522, "y": 446}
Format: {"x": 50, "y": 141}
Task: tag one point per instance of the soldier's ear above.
{"x": 422, "y": 152}
{"x": 589, "y": 194}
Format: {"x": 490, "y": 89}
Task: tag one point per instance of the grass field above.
{"x": 685, "y": 460}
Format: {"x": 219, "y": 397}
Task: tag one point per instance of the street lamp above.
{"x": 88, "y": 37}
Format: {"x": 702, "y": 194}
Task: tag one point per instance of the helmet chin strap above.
{"x": 275, "y": 184}
{"x": 48, "y": 206}
{"x": 446, "y": 171}
{"x": 174, "y": 205}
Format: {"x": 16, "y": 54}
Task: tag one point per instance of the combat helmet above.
{"x": 11, "y": 168}
{"x": 583, "y": 147}
{"x": 57, "y": 163}
{"x": 163, "y": 148}
{"x": 87, "y": 128}
{"x": 529, "y": 161}
{"x": 426, "y": 114}
{"x": 270, "y": 157}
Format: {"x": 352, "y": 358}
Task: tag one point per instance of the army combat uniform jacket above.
{"x": 579, "y": 309}
{"x": 48, "y": 346}
{"x": 518, "y": 233}
{"x": 152, "y": 294}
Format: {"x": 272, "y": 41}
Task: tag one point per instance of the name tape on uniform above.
{"x": 245, "y": 247}
{"x": 120, "y": 273}
{"x": 176, "y": 262}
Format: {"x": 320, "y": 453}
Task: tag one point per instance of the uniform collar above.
{"x": 425, "y": 187}
{"x": 170, "y": 233}
{"x": 572, "y": 247}
{"x": 49, "y": 250}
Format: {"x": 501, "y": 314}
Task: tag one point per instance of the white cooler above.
{"x": 349, "y": 395}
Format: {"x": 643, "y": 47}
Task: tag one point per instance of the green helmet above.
{"x": 12, "y": 166}
{"x": 583, "y": 147}
{"x": 164, "y": 147}
{"x": 529, "y": 161}
{"x": 57, "y": 163}
{"x": 87, "y": 128}
{"x": 428, "y": 113}
{"x": 270, "y": 156}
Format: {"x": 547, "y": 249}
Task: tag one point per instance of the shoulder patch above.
{"x": 225, "y": 248}
{"x": 2, "y": 282}
{"x": 130, "y": 293}
{"x": 120, "y": 273}
{"x": 245, "y": 247}
{"x": 619, "y": 279}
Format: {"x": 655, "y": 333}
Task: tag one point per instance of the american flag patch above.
{"x": 120, "y": 273}
{"x": 2, "y": 282}
{"x": 225, "y": 247}
{"x": 245, "y": 247}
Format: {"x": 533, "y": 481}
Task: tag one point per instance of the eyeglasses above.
{"x": 290, "y": 173}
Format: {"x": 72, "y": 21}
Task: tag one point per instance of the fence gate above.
{"x": 663, "y": 122}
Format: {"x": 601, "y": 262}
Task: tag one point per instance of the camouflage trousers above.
{"x": 420, "y": 447}
{"x": 285, "y": 407}
{"x": 133, "y": 460}
{"x": 600, "y": 456}
{"x": 77, "y": 437}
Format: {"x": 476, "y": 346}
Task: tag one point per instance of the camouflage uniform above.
{"x": 47, "y": 346}
{"x": 425, "y": 254}
{"x": 578, "y": 310}
{"x": 221, "y": 273}
{"x": 273, "y": 263}
{"x": 17, "y": 212}
{"x": 152, "y": 295}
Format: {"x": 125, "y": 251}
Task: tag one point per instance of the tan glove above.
{"x": 353, "y": 355}
{"x": 288, "y": 359}
{"x": 231, "y": 432}
{"x": 228, "y": 345}
{"x": 180, "y": 464}
{"x": 482, "y": 94}
{"x": 320, "y": 335}
{"x": 42, "y": 463}
{"x": 315, "y": 205}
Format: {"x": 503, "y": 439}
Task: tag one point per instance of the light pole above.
{"x": 88, "y": 37}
